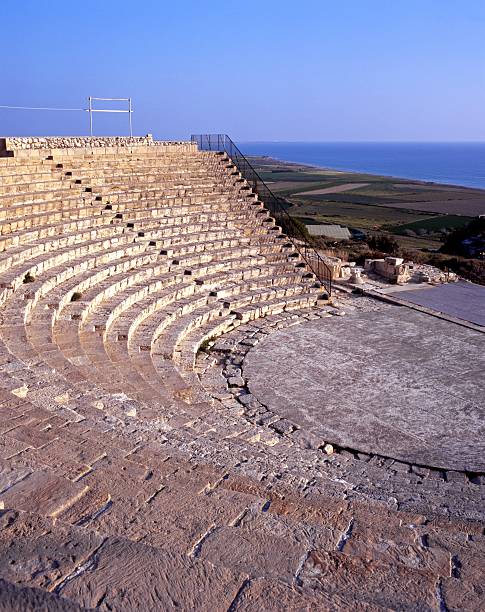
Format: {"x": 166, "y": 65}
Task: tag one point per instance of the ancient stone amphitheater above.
{"x": 138, "y": 470}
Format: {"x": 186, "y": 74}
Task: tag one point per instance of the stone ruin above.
{"x": 137, "y": 471}
{"x": 390, "y": 270}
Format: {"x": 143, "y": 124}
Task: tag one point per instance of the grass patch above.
{"x": 301, "y": 188}
{"x": 362, "y": 216}
{"x": 418, "y": 243}
{"x": 294, "y": 177}
{"x": 205, "y": 344}
{"x": 433, "y": 225}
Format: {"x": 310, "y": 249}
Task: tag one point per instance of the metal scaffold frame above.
{"x": 89, "y": 110}
{"x": 92, "y": 110}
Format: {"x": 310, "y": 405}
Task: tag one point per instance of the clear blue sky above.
{"x": 320, "y": 70}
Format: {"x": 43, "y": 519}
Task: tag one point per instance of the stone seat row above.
{"x": 47, "y": 214}
{"x": 121, "y": 295}
{"x": 34, "y": 227}
{"x": 203, "y": 213}
{"x": 153, "y": 279}
{"x": 61, "y": 175}
{"x": 99, "y": 176}
{"x": 43, "y": 342}
{"x": 35, "y": 181}
{"x": 62, "y": 195}
{"x": 120, "y": 290}
{"x": 30, "y": 243}
{"x": 64, "y": 206}
{"x": 239, "y": 298}
{"x": 94, "y": 254}
{"x": 148, "y": 327}
{"x": 76, "y": 156}
{"x": 66, "y": 180}
{"x": 59, "y": 257}
{"x": 137, "y": 307}
{"x": 10, "y": 166}
{"x": 117, "y": 171}
{"x": 15, "y": 234}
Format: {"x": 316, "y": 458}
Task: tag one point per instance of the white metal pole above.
{"x": 90, "y": 116}
{"x": 129, "y": 115}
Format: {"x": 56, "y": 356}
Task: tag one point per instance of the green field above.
{"x": 359, "y": 216}
{"x": 432, "y": 225}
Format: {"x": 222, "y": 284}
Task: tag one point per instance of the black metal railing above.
{"x": 299, "y": 238}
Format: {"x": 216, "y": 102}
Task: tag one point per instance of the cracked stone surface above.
{"x": 394, "y": 381}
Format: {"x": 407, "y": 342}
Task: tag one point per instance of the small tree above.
{"x": 454, "y": 241}
{"x": 383, "y": 243}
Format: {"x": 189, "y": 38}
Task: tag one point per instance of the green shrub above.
{"x": 454, "y": 241}
{"x": 293, "y": 227}
{"x": 384, "y": 244}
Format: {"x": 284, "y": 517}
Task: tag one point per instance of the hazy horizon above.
{"x": 364, "y": 141}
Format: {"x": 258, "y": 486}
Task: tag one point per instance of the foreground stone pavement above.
{"x": 138, "y": 470}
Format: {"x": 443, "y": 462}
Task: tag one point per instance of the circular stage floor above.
{"x": 392, "y": 381}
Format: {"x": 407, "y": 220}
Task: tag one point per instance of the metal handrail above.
{"x": 300, "y": 241}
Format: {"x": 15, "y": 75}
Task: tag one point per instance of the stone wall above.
{"x": 13, "y": 145}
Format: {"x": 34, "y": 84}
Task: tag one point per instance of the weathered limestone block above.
{"x": 43, "y": 492}
{"x": 27, "y": 599}
{"x": 130, "y": 576}
{"x": 37, "y": 552}
{"x": 389, "y": 586}
{"x": 256, "y": 554}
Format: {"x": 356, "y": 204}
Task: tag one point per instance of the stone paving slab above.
{"x": 394, "y": 382}
{"x": 462, "y": 300}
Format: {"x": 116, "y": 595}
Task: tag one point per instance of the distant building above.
{"x": 334, "y": 232}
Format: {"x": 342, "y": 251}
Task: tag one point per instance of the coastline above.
{"x": 401, "y": 179}
{"x": 455, "y": 163}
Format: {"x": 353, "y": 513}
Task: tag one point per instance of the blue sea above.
{"x": 451, "y": 163}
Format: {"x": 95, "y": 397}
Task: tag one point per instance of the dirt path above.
{"x": 337, "y": 189}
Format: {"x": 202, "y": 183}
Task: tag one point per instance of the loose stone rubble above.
{"x": 137, "y": 469}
